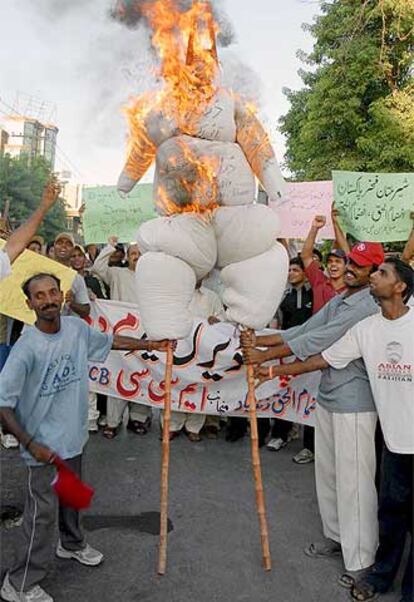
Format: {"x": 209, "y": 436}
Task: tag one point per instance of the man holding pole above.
{"x": 346, "y": 417}
{"x": 44, "y": 404}
{"x": 385, "y": 341}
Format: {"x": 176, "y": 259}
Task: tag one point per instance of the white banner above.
{"x": 208, "y": 374}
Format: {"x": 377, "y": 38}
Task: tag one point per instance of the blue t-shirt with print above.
{"x": 45, "y": 381}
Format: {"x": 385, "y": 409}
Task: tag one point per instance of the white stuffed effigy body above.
{"x": 208, "y": 149}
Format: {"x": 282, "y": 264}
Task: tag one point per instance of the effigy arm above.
{"x": 256, "y": 145}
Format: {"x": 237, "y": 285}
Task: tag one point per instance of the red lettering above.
{"x": 131, "y": 322}
{"x": 134, "y": 380}
{"x": 103, "y": 324}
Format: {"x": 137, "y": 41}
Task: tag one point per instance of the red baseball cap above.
{"x": 367, "y": 253}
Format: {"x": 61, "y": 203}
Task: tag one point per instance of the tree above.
{"x": 22, "y": 182}
{"x": 356, "y": 109}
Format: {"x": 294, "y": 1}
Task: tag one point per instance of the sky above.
{"x": 69, "y": 53}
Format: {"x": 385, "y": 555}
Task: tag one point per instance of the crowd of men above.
{"x": 351, "y": 318}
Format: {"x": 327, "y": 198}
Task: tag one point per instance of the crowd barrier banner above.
{"x": 375, "y": 207}
{"x": 208, "y": 374}
{"x": 12, "y": 298}
{"x": 302, "y": 201}
{"x": 108, "y": 214}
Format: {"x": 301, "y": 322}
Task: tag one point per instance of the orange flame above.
{"x": 186, "y": 46}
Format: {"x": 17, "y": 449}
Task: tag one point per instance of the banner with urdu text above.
{"x": 208, "y": 374}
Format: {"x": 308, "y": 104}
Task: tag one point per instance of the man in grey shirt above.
{"x": 345, "y": 419}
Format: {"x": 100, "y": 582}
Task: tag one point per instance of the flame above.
{"x": 186, "y": 46}
{"x": 197, "y": 190}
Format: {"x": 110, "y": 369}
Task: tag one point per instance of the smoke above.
{"x": 130, "y": 13}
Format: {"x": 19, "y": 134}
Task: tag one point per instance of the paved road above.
{"x": 214, "y": 549}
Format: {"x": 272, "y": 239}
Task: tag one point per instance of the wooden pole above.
{"x": 162, "y": 557}
{"x": 260, "y": 501}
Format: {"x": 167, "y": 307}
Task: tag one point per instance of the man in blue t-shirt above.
{"x": 44, "y": 404}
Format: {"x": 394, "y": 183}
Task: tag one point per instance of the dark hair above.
{"x": 41, "y": 276}
{"x": 297, "y": 261}
{"x": 405, "y": 274}
{"x": 49, "y": 246}
{"x": 317, "y": 253}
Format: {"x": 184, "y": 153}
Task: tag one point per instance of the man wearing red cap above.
{"x": 345, "y": 419}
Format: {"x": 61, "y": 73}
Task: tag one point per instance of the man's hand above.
{"x": 113, "y": 241}
{"x": 213, "y": 320}
{"x": 247, "y": 339}
{"x": 51, "y": 193}
{"x": 254, "y": 356}
{"x": 69, "y": 297}
{"x": 319, "y": 221}
{"x": 161, "y": 345}
{"x": 40, "y": 453}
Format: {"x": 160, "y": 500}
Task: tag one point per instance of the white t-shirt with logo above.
{"x": 5, "y": 266}
{"x": 387, "y": 348}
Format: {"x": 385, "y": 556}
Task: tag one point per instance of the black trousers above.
{"x": 395, "y": 516}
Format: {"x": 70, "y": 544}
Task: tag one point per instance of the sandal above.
{"x": 324, "y": 549}
{"x": 172, "y": 435}
{"x": 348, "y": 580}
{"x": 364, "y": 592}
{"x": 193, "y": 437}
{"x": 110, "y": 432}
{"x": 139, "y": 428}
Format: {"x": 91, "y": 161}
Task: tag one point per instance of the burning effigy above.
{"x": 208, "y": 147}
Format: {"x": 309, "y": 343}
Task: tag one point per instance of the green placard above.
{"x": 375, "y": 207}
{"x": 108, "y": 214}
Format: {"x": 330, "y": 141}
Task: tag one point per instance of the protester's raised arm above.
{"x": 340, "y": 238}
{"x": 19, "y": 239}
{"x": 309, "y": 244}
{"x": 408, "y": 253}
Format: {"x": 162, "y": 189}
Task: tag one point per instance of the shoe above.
{"x": 88, "y": 556}
{"x": 211, "y": 432}
{"x": 93, "y": 426}
{"x": 293, "y": 434}
{"x": 36, "y": 594}
{"x": 324, "y": 549}
{"x": 305, "y": 456}
{"x": 276, "y": 444}
{"x": 349, "y": 579}
{"x": 193, "y": 437}
{"x": 9, "y": 441}
{"x": 139, "y": 428}
{"x": 102, "y": 421}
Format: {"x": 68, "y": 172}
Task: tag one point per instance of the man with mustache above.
{"x": 345, "y": 419}
{"x": 44, "y": 404}
{"x": 77, "y": 298}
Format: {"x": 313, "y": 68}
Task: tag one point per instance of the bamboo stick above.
{"x": 260, "y": 501}
{"x": 162, "y": 557}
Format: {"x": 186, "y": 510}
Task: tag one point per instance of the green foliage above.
{"x": 356, "y": 109}
{"x": 22, "y": 183}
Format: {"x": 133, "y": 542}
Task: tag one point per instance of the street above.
{"x": 214, "y": 552}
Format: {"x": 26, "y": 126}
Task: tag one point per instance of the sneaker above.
{"x": 36, "y": 594}
{"x": 88, "y": 556}
{"x": 305, "y": 456}
{"x": 92, "y": 426}
{"x": 9, "y": 441}
{"x": 276, "y": 444}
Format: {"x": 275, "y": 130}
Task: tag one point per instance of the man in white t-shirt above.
{"x": 385, "y": 341}
{"x": 18, "y": 240}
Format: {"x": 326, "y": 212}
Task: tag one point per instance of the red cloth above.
{"x": 71, "y": 491}
{"x": 322, "y": 289}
